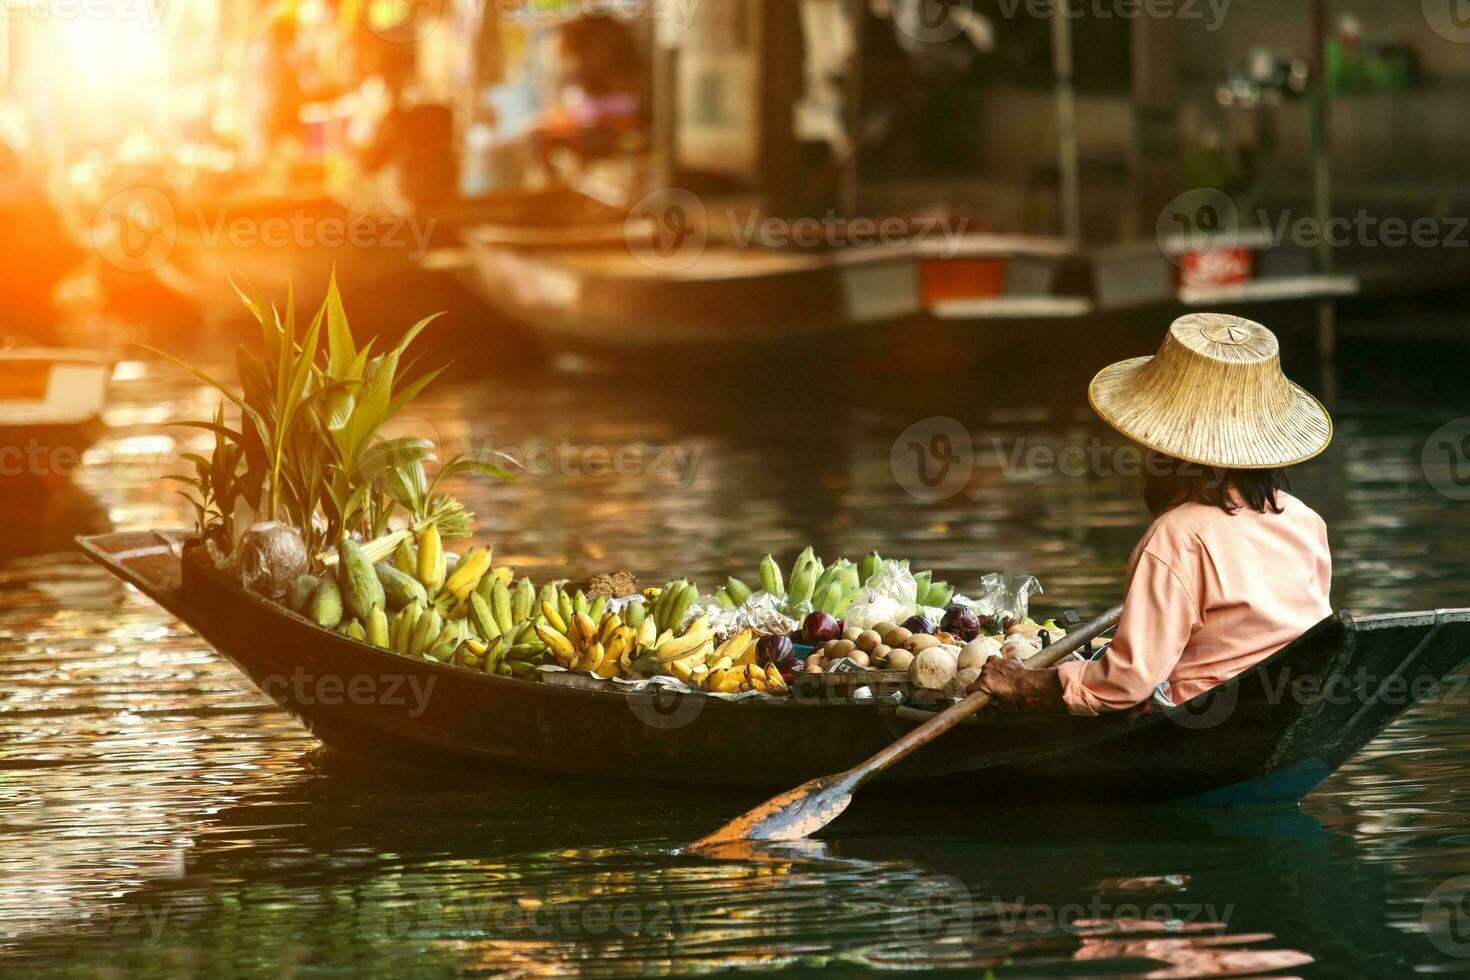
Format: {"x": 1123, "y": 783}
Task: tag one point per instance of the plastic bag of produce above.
{"x": 1004, "y": 596}
{"x": 269, "y": 557}
{"x": 889, "y": 595}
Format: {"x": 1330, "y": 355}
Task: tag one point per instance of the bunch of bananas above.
{"x": 693, "y": 657}
{"x": 734, "y": 667}
{"x": 813, "y": 586}
{"x": 603, "y": 646}
{"x": 669, "y": 605}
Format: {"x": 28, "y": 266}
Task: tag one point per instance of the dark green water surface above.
{"x": 160, "y": 817}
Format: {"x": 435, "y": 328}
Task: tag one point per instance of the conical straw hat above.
{"x": 1214, "y": 394}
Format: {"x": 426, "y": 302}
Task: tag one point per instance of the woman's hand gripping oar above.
{"x": 803, "y": 811}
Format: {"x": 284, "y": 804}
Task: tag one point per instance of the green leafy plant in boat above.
{"x": 310, "y": 447}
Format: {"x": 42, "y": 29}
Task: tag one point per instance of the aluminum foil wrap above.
{"x": 762, "y": 611}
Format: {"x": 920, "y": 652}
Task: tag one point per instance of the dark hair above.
{"x": 1169, "y": 482}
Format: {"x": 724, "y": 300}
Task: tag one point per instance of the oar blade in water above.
{"x": 795, "y": 814}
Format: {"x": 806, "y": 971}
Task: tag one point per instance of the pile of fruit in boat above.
{"x": 423, "y": 602}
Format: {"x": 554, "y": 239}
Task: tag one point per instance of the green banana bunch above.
{"x": 939, "y": 594}
{"x": 501, "y": 606}
{"x": 871, "y": 562}
{"x": 826, "y": 600}
{"x": 523, "y": 603}
{"x": 634, "y": 613}
{"x": 672, "y": 603}
{"x": 376, "y": 627}
{"x": 353, "y": 629}
{"x": 834, "y": 573}
{"x": 663, "y": 605}
{"x": 428, "y": 627}
{"x": 803, "y": 582}
{"x": 771, "y": 580}
{"x": 737, "y": 590}
{"x": 400, "y": 631}
{"x": 406, "y": 558}
{"x": 921, "y": 585}
{"x": 483, "y": 619}
{"x": 325, "y": 608}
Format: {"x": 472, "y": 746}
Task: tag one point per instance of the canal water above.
{"x": 162, "y": 818}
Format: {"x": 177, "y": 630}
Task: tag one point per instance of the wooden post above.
{"x": 1322, "y": 198}
{"x": 849, "y": 176}
{"x": 1067, "y": 166}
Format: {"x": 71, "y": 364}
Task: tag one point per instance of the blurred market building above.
{"x": 1080, "y": 128}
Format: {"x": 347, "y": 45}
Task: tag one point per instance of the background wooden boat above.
{"x": 1267, "y": 736}
{"x": 51, "y": 401}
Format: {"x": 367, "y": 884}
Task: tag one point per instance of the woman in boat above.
{"x": 1233, "y": 567}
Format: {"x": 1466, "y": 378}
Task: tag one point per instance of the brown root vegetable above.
{"x": 860, "y": 658}
{"x": 813, "y": 664}
{"x": 932, "y": 669}
{"x": 868, "y": 641}
{"x": 840, "y": 649}
{"x": 897, "y": 636}
{"x": 916, "y": 644}
{"x": 852, "y": 633}
{"x": 900, "y": 660}
{"x": 960, "y": 684}
{"x": 979, "y": 650}
{"x": 880, "y": 653}
{"x": 883, "y": 629}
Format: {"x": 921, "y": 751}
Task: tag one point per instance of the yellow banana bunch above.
{"x": 739, "y": 648}
{"x": 467, "y": 574}
{"x": 733, "y": 680}
{"x": 605, "y": 648}
{"x": 670, "y": 648}
{"x": 431, "y": 560}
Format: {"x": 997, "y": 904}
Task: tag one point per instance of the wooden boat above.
{"x": 51, "y": 401}
{"x": 1269, "y": 735}
{"x": 604, "y": 297}
{"x": 277, "y": 243}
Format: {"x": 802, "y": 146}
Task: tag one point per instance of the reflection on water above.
{"x": 161, "y": 817}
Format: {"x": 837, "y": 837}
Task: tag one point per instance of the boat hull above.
{"x": 1263, "y": 737}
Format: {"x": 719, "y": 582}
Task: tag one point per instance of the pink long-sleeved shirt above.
{"x": 1209, "y": 595}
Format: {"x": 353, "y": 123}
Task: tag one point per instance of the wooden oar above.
{"x": 803, "y": 811}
